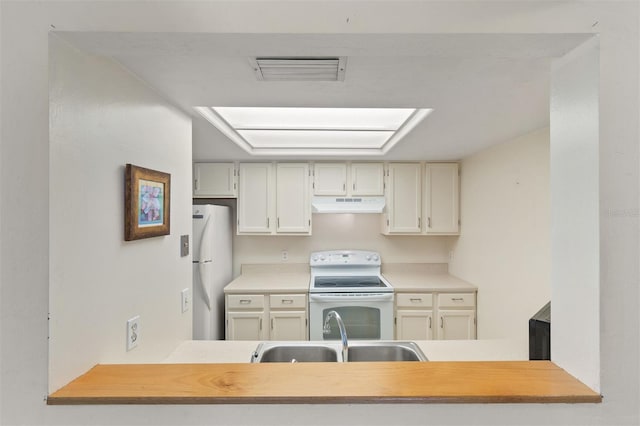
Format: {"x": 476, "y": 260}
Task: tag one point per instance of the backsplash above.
{"x": 341, "y": 231}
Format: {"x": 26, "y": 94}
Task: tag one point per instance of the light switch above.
{"x": 184, "y": 245}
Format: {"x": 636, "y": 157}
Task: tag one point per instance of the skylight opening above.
{"x": 314, "y": 131}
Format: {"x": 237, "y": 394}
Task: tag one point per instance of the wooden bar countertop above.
{"x": 335, "y": 383}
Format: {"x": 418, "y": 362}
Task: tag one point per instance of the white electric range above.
{"x": 350, "y": 283}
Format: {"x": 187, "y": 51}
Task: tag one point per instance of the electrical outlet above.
{"x": 185, "y": 300}
{"x": 133, "y": 332}
{"x": 285, "y": 255}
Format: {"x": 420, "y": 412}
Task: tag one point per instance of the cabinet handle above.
{"x": 419, "y": 223}
{"x": 197, "y": 185}
{"x": 245, "y": 301}
{"x": 287, "y": 301}
{"x": 416, "y": 300}
{"x": 429, "y": 322}
{"x": 278, "y": 222}
{"x": 271, "y": 323}
{"x": 441, "y": 323}
{"x": 429, "y": 222}
{"x": 260, "y": 324}
{"x": 457, "y": 299}
{"x": 344, "y": 186}
{"x": 267, "y": 222}
{"x": 354, "y": 186}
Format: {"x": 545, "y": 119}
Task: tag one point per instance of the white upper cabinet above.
{"x": 214, "y": 180}
{"x": 255, "y": 201}
{"x": 293, "y": 205}
{"x": 441, "y": 202}
{"x": 404, "y": 200}
{"x": 348, "y": 179}
{"x": 367, "y": 179}
{"x": 330, "y": 179}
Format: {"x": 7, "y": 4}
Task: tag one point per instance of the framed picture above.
{"x": 147, "y": 196}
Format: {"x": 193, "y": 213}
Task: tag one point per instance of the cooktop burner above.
{"x": 348, "y": 281}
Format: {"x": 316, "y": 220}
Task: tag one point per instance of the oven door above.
{"x": 365, "y": 316}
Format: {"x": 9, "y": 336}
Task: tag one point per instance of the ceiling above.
{"x": 484, "y": 89}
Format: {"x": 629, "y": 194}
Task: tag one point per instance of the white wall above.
{"x": 504, "y": 246}
{"x": 24, "y": 223}
{"x": 102, "y": 118}
{"x": 341, "y": 231}
{"x": 576, "y": 216}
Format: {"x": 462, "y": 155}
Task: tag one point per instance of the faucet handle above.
{"x": 326, "y": 329}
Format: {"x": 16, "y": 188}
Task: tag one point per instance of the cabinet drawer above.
{"x": 287, "y": 301}
{"x": 414, "y": 300}
{"x": 456, "y": 300}
{"x": 245, "y": 301}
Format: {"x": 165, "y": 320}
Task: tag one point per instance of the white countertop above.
{"x": 271, "y": 278}
{"x": 294, "y": 278}
{"x": 216, "y": 351}
{"x": 405, "y": 277}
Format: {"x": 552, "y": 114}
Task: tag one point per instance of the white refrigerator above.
{"x": 212, "y": 269}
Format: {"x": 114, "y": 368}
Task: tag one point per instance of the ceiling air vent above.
{"x": 299, "y": 68}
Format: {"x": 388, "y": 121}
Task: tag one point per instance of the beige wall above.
{"x": 24, "y": 190}
{"x": 342, "y": 231}
{"x": 102, "y": 117}
{"x": 504, "y": 246}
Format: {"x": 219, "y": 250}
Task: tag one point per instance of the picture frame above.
{"x": 147, "y": 200}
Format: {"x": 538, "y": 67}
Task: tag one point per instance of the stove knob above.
{"x": 368, "y": 257}
{"x": 375, "y": 257}
{"x": 322, "y": 258}
{"x": 314, "y": 258}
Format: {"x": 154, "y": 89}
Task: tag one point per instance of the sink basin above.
{"x": 359, "y": 351}
{"x": 268, "y": 352}
{"x": 387, "y": 351}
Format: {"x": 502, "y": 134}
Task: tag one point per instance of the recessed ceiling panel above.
{"x": 313, "y": 131}
{"x": 307, "y": 139}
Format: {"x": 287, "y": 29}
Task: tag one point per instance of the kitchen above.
{"x": 521, "y": 166}
{"x": 275, "y": 253}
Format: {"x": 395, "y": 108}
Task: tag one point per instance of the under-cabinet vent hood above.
{"x": 347, "y": 204}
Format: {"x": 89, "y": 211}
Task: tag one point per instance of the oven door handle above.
{"x": 377, "y": 297}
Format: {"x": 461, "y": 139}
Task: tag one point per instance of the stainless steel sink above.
{"x": 385, "y": 351}
{"x": 359, "y": 351}
{"x": 296, "y": 353}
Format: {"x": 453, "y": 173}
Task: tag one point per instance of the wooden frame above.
{"x": 147, "y": 198}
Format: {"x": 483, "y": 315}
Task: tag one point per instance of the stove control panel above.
{"x": 344, "y": 257}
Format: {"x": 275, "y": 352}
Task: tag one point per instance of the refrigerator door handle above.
{"x": 203, "y": 262}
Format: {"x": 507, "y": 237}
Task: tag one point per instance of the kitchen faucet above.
{"x": 343, "y": 332}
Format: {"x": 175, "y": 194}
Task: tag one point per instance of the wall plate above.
{"x": 133, "y": 332}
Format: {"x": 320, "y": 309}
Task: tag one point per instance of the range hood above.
{"x": 347, "y": 204}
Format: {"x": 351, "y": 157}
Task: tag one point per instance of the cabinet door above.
{"x": 367, "y": 179}
{"x": 255, "y": 198}
{"x": 442, "y": 198}
{"x": 293, "y": 205}
{"x": 414, "y": 324}
{"x": 456, "y": 325}
{"x": 404, "y": 198}
{"x": 245, "y": 326}
{"x": 330, "y": 179}
{"x": 288, "y": 325}
{"x": 214, "y": 180}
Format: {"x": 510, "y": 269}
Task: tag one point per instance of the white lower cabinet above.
{"x": 247, "y": 317}
{"x": 414, "y": 316}
{"x": 245, "y": 326}
{"x": 456, "y": 316}
{"x": 429, "y": 316}
{"x": 456, "y": 325}
{"x": 288, "y": 317}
